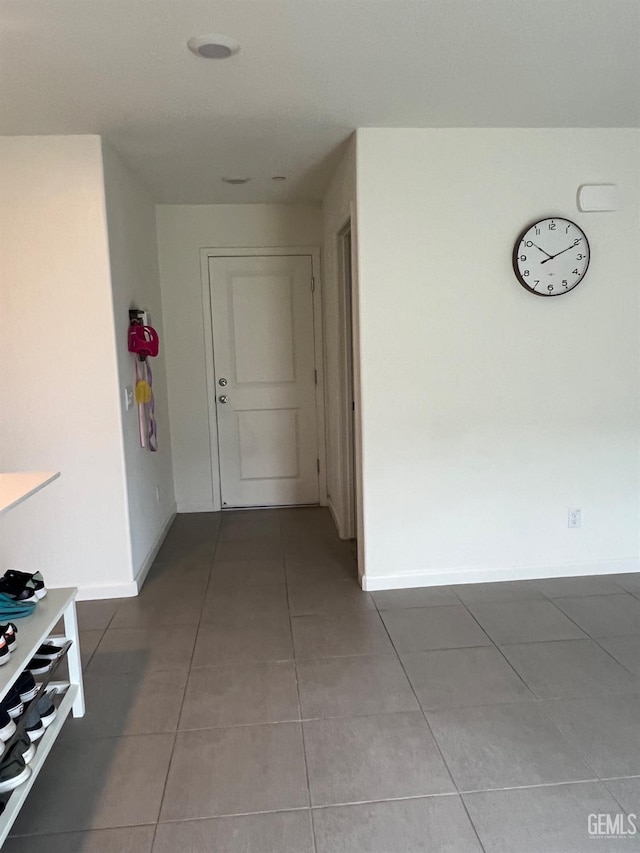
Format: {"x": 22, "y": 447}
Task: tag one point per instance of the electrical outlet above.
{"x": 575, "y": 518}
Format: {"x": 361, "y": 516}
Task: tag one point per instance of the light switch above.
{"x": 128, "y": 397}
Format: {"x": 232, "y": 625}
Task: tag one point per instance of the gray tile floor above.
{"x": 254, "y": 700}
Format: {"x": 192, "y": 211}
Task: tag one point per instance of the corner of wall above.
{"x": 135, "y": 282}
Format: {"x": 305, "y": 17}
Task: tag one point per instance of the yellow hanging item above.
{"x": 143, "y": 391}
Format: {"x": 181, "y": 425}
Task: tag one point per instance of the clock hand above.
{"x": 546, "y": 260}
{"x": 543, "y": 252}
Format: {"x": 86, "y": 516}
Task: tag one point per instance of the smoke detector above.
{"x": 213, "y": 46}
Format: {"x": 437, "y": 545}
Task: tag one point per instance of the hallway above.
{"x": 253, "y": 699}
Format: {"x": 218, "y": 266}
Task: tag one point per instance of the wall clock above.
{"x": 551, "y": 256}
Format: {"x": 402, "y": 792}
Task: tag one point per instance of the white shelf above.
{"x": 31, "y": 633}
{"x": 16, "y": 488}
{"x": 43, "y": 747}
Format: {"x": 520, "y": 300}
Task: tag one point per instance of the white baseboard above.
{"x": 143, "y": 571}
{"x": 206, "y": 506}
{"x": 130, "y": 588}
{"x": 116, "y": 590}
{"x": 470, "y": 575}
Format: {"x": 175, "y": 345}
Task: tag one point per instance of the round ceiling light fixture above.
{"x": 213, "y": 46}
{"x": 236, "y": 181}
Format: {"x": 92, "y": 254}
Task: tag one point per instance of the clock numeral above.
{"x": 579, "y": 257}
{"x": 566, "y": 230}
{"x": 552, "y": 226}
{"x": 577, "y": 240}
{"x": 528, "y": 243}
{"x": 525, "y": 273}
{"x": 575, "y": 271}
{"x": 537, "y": 281}
{"x": 565, "y": 282}
{"x": 523, "y": 257}
{"x": 549, "y": 287}
{"x": 537, "y": 230}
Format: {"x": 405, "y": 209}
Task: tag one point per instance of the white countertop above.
{"x": 16, "y": 488}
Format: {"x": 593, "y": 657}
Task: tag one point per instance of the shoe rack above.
{"x": 34, "y": 630}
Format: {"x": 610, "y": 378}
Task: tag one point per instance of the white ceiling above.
{"x": 309, "y": 72}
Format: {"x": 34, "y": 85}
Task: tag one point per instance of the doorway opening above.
{"x": 264, "y": 377}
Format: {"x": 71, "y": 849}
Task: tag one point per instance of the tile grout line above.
{"x": 587, "y": 637}
{"x": 435, "y": 740}
{"x": 539, "y": 702}
{"x": 86, "y": 665}
{"x": 504, "y": 657}
{"x": 596, "y": 639}
{"x": 590, "y": 636}
{"x": 534, "y": 785}
{"x": 295, "y": 673}
{"x": 338, "y": 805}
{"x": 184, "y": 696}
{"x": 613, "y": 797}
{"x": 421, "y": 710}
{"x": 471, "y": 821}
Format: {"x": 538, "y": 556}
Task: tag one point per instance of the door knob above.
{"x": 222, "y": 381}
{"x": 223, "y": 398}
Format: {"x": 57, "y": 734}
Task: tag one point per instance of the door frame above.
{"x": 312, "y": 252}
{"x": 347, "y": 380}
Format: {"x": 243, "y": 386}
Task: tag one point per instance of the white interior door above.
{"x": 264, "y": 359}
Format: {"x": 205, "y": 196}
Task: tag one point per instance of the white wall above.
{"x": 487, "y": 412}
{"x": 337, "y": 207}
{"x": 136, "y": 283}
{"x": 59, "y": 384}
{"x": 183, "y": 230}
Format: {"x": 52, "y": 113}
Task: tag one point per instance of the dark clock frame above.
{"x": 514, "y": 257}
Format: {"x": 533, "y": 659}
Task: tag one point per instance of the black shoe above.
{"x": 7, "y": 726}
{"x": 10, "y": 632}
{"x": 4, "y": 650}
{"x": 13, "y": 771}
{"x": 47, "y": 710}
{"x": 17, "y": 589}
{"x": 24, "y": 748}
{"x": 12, "y": 704}
{"x": 39, "y": 666}
{"x": 34, "y": 581}
{"x": 33, "y": 725}
{"x": 48, "y": 650}
{"x": 26, "y": 686}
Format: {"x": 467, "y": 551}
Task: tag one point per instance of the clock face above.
{"x": 551, "y": 256}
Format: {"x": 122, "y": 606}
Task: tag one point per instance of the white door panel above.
{"x": 262, "y": 315}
